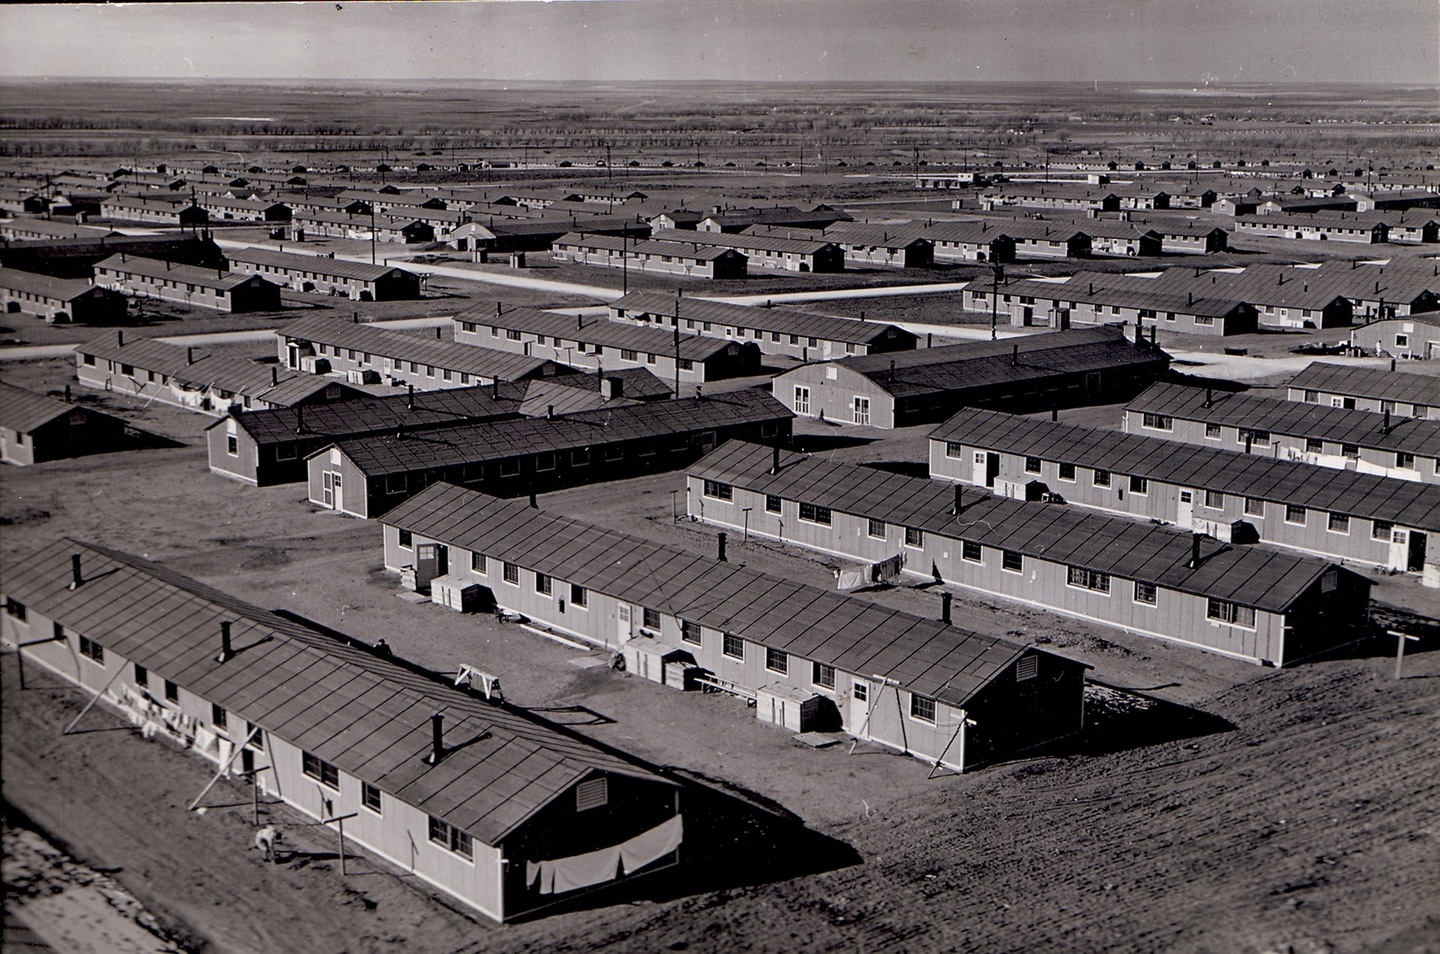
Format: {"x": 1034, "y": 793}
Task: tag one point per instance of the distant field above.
{"x": 813, "y": 124}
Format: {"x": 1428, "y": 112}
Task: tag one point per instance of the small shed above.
{"x": 460, "y": 594}
{"x": 651, "y": 659}
{"x": 793, "y": 708}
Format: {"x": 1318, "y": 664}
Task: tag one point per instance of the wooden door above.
{"x": 1185, "y": 511}
{"x": 623, "y": 623}
{"x": 857, "y": 720}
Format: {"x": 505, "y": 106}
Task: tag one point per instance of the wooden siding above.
{"x": 1163, "y": 502}
{"x": 883, "y": 718}
{"x": 1175, "y": 615}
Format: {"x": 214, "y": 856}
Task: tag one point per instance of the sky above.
{"x": 1187, "y": 42}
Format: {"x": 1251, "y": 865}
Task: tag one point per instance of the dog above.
{"x": 266, "y": 839}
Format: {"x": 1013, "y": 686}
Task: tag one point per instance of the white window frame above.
{"x": 918, "y": 705}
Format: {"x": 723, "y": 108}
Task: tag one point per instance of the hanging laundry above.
{"x": 652, "y": 845}
{"x": 888, "y": 569}
{"x": 581, "y": 871}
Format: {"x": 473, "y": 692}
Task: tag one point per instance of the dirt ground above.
{"x": 1210, "y": 806}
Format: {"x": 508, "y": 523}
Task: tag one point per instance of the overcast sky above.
{"x": 1186, "y": 42}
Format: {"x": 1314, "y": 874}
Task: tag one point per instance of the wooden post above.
{"x": 93, "y": 699}
{"x": 255, "y": 791}
{"x": 959, "y": 727}
{"x": 340, "y": 822}
{"x": 224, "y": 767}
{"x": 1400, "y": 649}
{"x": 20, "y": 653}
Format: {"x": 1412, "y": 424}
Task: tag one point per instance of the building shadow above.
{"x": 734, "y": 839}
{"x": 819, "y": 443}
{"x": 1117, "y": 720}
{"x": 573, "y": 715}
{"x": 909, "y": 468}
{"x": 1377, "y": 642}
{"x": 136, "y": 439}
{"x": 1221, "y": 387}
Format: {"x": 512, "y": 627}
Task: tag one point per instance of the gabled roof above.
{"x": 596, "y": 331}
{"x": 1377, "y": 383}
{"x": 973, "y": 232}
{"x": 782, "y": 320}
{"x": 1321, "y": 220}
{"x": 361, "y": 221}
{"x": 745, "y": 242}
{"x": 24, "y": 411}
{"x": 616, "y": 243}
{"x": 1059, "y": 191}
{"x": 1399, "y": 280}
{"x": 318, "y": 264}
{"x": 417, "y": 348}
{"x": 1292, "y": 418}
{"x": 892, "y": 236}
{"x": 103, "y": 245}
{"x": 1126, "y": 291}
{"x": 1186, "y": 227}
{"x": 638, "y": 383}
{"x": 366, "y": 715}
{"x": 499, "y": 440}
{"x": 1404, "y": 502}
{"x": 190, "y": 274}
{"x": 1040, "y": 230}
{"x": 977, "y": 364}
{"x": 227, "y": 201}
{"x": 1260, "y": 285}
{"x": 544, "y": 396}
{"x": 197, "y": 368}
{"x": 855, "y": 635}
{"x": 776, "y": 215}
{"x": 1309, "y": 203}
{"x": 56, "y": 229}
{"x": 63, "y": 289}
{"x": 1110, "y": 228}
{"x": 1130, "y": 549}
{"x": 342, "y": 419}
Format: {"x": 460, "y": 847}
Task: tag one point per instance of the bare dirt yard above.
{"x": 1210, "y": 805}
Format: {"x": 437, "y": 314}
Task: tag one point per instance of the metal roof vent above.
{"x": 437, "y": 740}
{"x": 227, "y": 650}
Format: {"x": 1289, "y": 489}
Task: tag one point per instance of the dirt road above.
{"x": 1219, "y": 807}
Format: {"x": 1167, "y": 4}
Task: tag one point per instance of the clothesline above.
{"x": 560, "y": 875}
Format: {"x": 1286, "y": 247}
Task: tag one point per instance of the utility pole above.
{"x": 996, "y": 273}
{"x": 677, "y": 348}
{"x": 372, "y": 233}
